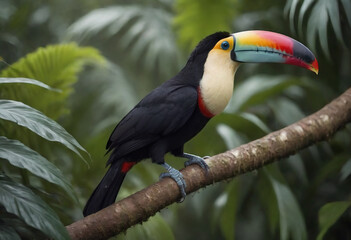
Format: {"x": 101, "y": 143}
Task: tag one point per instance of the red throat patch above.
{"x": 202, "y": 105}
{"x": 126, "y": 166}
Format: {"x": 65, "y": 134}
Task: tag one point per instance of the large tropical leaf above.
{"x": 231, "y": 138}
{"x": 321, "y": 13}
{"x": 34, "y": 120}
{"x": 21, "y": 201}
{"x": 21, "y": 156}
{"x": 257, "y": 89}
{"x": 306, "y": 4}
{"x": 228, "y": 203}
{"x": 143, "y": 30}
{"x": 289, "y": 10}
{"x": 15, "y": 227}
{"x": 28, "y": 81}
{"x": 268, "y": 200}
{"x": 54, "y": 65}
{"x": 286, "y": 111}
{"x": 292, "y": 224}
{"x": 246, "y": 126}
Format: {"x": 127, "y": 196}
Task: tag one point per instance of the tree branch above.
{"x": 147, "y": 202}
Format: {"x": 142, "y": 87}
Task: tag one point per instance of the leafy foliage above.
{"x": 56, "y": 66}
{"x": 157, "y": 229}
{"x": 227, "y": 204}
{"x": 292, "y": 225}
{"x": 34, "y": 120}
{"x": 322, "y": 12}
{"x": 257, "y": 89}
{"x": 329, "y": 214}
{"x": 21, "y": 156}
{"x": 143, "y": 31}
{"x": 346, "y": 171}
{"x": 21, "y": 201}
{"x": 192, "y": 27}
{"x": 28, "y": 81}
{"x": 18, "y": 199}
{"x": 139, "y": 39}
{"x": 105, "y": 100}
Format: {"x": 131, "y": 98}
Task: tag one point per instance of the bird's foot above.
{"x": 177, "y": 177}
{"x": 193, "y": 159}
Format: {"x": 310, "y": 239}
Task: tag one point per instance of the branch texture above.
{"x": 147, "y": 202}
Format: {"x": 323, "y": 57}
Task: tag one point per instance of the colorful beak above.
{"x": 264, "y": 46}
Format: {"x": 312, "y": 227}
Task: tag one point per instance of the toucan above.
{"x": 173, "y": 113}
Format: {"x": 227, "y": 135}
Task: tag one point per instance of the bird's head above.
{"x": 219, "y": 55}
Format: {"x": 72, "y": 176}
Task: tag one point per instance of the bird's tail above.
{"x": 106, "y": 192}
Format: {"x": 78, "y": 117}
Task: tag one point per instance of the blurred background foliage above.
{"x": 136, "y": 45}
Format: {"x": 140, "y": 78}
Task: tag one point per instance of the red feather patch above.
{"x": 202, "y": 105}
{"x": 126, "y": 166}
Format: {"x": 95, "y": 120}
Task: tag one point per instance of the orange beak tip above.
{"x": 315, "y": 67}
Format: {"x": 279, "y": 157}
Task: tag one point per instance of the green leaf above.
{"x": 268, "y": 200}
{"x": 8, "y": 233}
{"x": 155, "y": 228}
{"x": 196, "y": 19}
{"x": 347, "y": 8}
{"x": 245, "y": 124}
{"x": 101, "y": 104}
{"x": 345, "y": 171}
{"x": 229, "y": 210}
{"x": 34, "y": 120}
{"x": 305, "y": 6}
{"x": 257, "y": 89}
{"x": 292, "y": 223}
{"x": 21, "y": 201}
{"x": 297, "y": 166}
{"x": 329, "y": 169}
{"x": 291, "y": 8}
{"x": 333, "y": 11}
{"x": 317, "y": 24}
{"x": 329, "y": 214}
{"x": 139, "y": 29}
{"x": 323, "y": 12}
{"x": 113, "y": 18}
{"x": 21, "y": 228}
{"x": 255, "y": 120}
{"x": 55, "y": 65}
{"x": 230, "y": 137}
{"x": 21, "y": 156}
{"x": 286, "y": 111}
{"x": 28, "y": 81}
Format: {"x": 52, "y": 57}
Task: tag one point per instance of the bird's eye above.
{"x": 225, "y": 45}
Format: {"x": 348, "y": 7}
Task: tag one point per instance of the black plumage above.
{"x": 162, "y": 122}
{"x": 177, "y": 110}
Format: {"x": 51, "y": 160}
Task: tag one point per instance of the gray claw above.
{"x": 193, "y": 159}
{"x": 177, "y": 177}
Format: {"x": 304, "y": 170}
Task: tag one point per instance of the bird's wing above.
{"x": 163, "y": 111}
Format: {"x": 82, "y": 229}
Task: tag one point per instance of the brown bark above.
{"x": 287, "y": 141}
